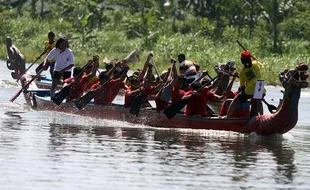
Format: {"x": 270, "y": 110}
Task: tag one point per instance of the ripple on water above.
{"x": 49, "y": 150}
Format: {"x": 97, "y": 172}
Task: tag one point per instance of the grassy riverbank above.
{"x": 29, "y": 34}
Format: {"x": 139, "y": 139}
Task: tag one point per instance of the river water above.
{"x": 48, "y": 150}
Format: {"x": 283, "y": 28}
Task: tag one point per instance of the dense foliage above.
{"x": 276, "y": 31}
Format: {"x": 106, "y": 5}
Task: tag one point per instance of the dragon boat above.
{"x": 280, "y": 122}
{"x": 283, "y": 120}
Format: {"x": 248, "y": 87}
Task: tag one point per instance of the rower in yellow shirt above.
{"x": 49, "y": 45}
{"x": 250, "y": 73}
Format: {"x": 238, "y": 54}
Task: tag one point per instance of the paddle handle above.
{"x": 26, "y": 85}
{"x": 37, "y": 59}
{"x": 217, "y": 84}
{"x": 32, "y": 64}
{"x": 245, "y": 49}
{"x": 153, "y": 63}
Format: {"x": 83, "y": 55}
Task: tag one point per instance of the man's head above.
{"x": 181, "y": 57}
{"x": 62, "y": 44}
{"x": 246, "y": 58}
{"x": 196, "y": 86}
{"x": 88, "y": 68}
{"x": 103, "y": 77}
{"x": 109, "y": 66}
{"x": 134, "y": 82}
{"x": 51, "y": 35}
{"x": 77, "y": 71}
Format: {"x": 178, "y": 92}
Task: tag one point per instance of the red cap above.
{"x": 246, "y": 54}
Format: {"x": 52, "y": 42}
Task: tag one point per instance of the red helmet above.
{"x": 246, "y": 54}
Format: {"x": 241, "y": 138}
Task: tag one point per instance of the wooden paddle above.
{"x": 245, "y": 49}
{"x": 153, "y": 63}
{"x": 176, "y": 107}
{"x": 167, "y": 89}
{"x": 271, "y": 108}
{"x": 26, "y": 86}
{"x": 36, "y": 59}
{"x": 136, "y": 105}
{"x": 64, "y": 92}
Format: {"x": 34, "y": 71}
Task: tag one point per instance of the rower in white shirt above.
{"x": 64, "y": 62}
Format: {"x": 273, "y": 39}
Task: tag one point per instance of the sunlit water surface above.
{"x": 48, "y": 150}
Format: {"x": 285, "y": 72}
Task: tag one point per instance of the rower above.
{"x": 104, "y": 87}
{"x": 188, "y": 69}
{"x": 77, "y": 88}
{"x": 49, "y": 45}
{"x": 250, "y": 73}
{"x": 196, "y": 105}
{"x": 63, "y": 65}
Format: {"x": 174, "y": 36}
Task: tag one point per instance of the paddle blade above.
{"x": 84, "y": 100}
{"x": 272, "y": 108}
{"x": 136, "y": 105}
{"x": 166, "y": 93}
{"x": 171, "y": 111}
{"x": 61, "y": 95}
{"x": 26, "y": 86}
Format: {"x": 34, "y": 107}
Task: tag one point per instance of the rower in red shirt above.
{"x": 176, "y": 93}
{"x": 104, "y": 86}
{"x": 120, "y": 76}
{"x": 196, "y": 105}
{"x": 77, "y": 88}
{"x": 145, "y": 88}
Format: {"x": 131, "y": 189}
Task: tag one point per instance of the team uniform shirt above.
{"x": 103, "y": 95}
{"x": 77, "y": 88}
{"x": 196, "y": 105}
{"x": 49, "y": 45}
{"x": 177, "y": 94}
{"x": 63, "y": 59}
{"x": 249, "y": 76}
{"x": 91, "y": 81}
{"x": 187, "y": 68}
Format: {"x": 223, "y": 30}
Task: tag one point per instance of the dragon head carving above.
{"x": 296, "y": 78}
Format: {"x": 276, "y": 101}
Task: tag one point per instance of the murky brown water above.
{"x": 48, "y": 150}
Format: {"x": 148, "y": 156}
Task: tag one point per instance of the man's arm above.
{"x": 141, "y": 76}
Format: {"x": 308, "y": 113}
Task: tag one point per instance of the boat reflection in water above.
{"x": 199, "y": 152}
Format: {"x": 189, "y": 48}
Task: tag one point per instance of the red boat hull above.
{"x": 147, "y": 116}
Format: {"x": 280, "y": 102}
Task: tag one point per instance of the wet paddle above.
{"x": 271, "y": 108}
{"x": 136, "y": 105}
{"x": 217, "y": 84}
{"x": 167, "y": 89}
{"x": 64, "y": 92}
{"x": 26, "y": 86}
{"x": 153, "y": 63}
{"x": 176, "y": 107}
